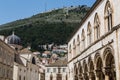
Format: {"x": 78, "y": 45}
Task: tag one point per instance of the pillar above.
{"x": 80, "y": 77}
{"x": 107, "y": 72}
{"x": 91, "y": 76}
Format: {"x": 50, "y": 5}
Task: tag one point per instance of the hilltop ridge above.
{"x": 52, "y": 26}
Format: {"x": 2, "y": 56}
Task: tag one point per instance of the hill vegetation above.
{"x": 54, "y": 26}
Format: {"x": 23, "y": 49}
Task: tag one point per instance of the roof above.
{"x": 85, "y": 17}
{"x": 18, "y": 60}
{"x": 25, "y": 50}
{"x": 58, "y": 63}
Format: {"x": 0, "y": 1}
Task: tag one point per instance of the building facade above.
{"x": 6, "y": 61}
{"x": 94, "y": 49}
{"x": 56, "y": 71}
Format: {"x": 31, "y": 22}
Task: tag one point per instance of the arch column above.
{"x": 107, "y": 72}
{"x": 91, "y": 76}
{"x": 80, "y": 77}
{"x": 75, "y": 77}
{"x": 99, "y": 75}
{"x": 85, "y": 76}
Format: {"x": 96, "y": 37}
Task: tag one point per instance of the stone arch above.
{"x": 109, "y": 64}
{"x": 108, "y": 12}
{"x": 89, "y": 34}
{"x": 75, "y": 72}
{"x": 74, "y": 47}
{"x": 78, "y": 43}
{"x": 85, "y": 70}
{"x": 83, "y": 39}
{"x": 91, "y": 69}
{"x": 80, "y": 71}
{"x": 78, "y": 39}
{"x": 99, "y": 67}
{"x": 96, "y": 26}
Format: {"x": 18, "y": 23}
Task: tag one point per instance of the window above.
{"x": 97, "y": 26}
{"x": 74, "y": 47}
{"x": 70, "y": 49}
{"x": 108, "y": 16}
{"x": 89, "y": 34}
{"x": 83, "y": 39}
{"x": 78, "y": 43}
{"x": 48, "y": 70}
{"x": 64, "y": 69}
{"x": 54, "y": 69}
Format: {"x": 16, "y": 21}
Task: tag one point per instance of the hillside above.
{"x": 52, "y": 26}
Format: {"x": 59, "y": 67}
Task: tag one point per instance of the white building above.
{"x": 93, "y": 51}
{"x": 56, "y": 71}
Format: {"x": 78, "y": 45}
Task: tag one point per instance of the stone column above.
{"x": 91, "y": 76}
{"x": 97, "y": 73}
{"x": 80, "y": 77}
{"x": 85, "y": 76}
{"x": 107, "y": 73}
{"x": 75, "y": 77}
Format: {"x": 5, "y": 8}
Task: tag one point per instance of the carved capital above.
{"x": 98, "y": 72}
{"x": 107, "y": 70}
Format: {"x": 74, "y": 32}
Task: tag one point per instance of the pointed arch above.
{"x": 89, "y": 33}
{"x": 78, "y": 43}
{"x": 75, "y": 72}
{"x": 85, "y": 70}
{"x": 99, "y": 67}
{"x": 91, "y": 69}
{"x": 96, "y": 26}
{"x": 109, "y": 63}
{"x": 108, "y": 15}
{"x": 80, "y": 71}
{"x": 74, "y": 48}
{"x": 83, "y": 39}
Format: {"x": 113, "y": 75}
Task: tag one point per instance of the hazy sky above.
{"x": 11, "y": 10}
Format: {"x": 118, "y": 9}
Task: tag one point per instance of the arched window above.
{"x": 69, "y": 48}
{"x": 97, "y": 26}
{"x": 108, "y": 16}
{"x": 75, "y": 72}
{"x": 33, "y": 61}
{"x": 89, "y": 34}
{"x": 78, "y": 44}
{"x": 85, "y": 71}
{"x": 70, "y": 52}
{"x": 91, "y": 69}
{"x": 83, "y": 39}
{"x": 80, "y": 70}
{"x": 99, "y": 67}
{"x": 109, "y": 64}
{"x": 74, "y": 48}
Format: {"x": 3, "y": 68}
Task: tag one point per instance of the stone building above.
{"x": 6, "y": 61}
{"x": 94, "y": 49}
{"x": 24, "y": 64}
{"x": 56, "y": 71}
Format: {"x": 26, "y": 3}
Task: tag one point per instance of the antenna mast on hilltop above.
{"x": 45, "y": 6}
